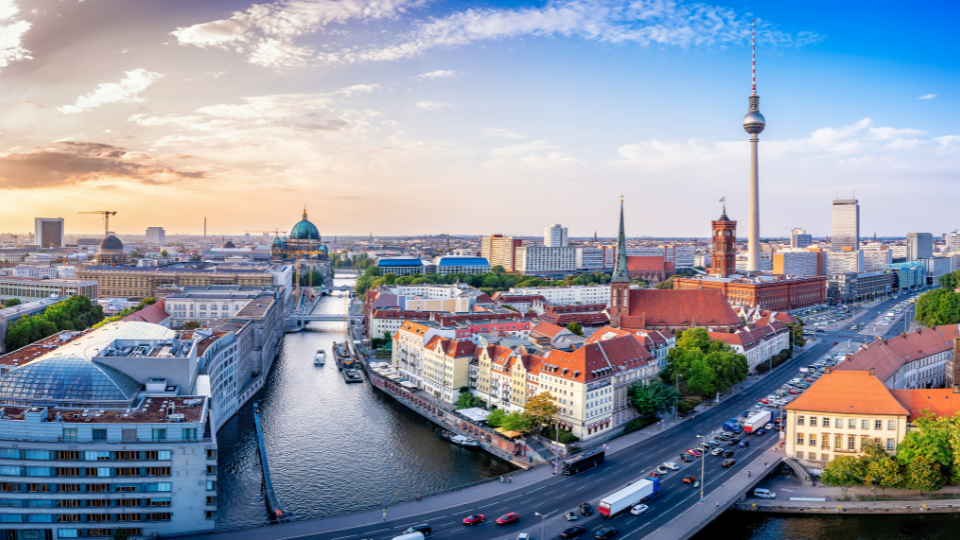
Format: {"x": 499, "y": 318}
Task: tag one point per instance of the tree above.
{"x": 518, "y": 421}
{"x": 496, "y": 418}
{"x": 667, "y": 284}
{"x": 466, "y": 400}
{"x": 923, "y": 475}
{"x": 652, "y": 399}
{"x": 885, "y": 472}
{"x": 120, "y": 534}
{"x": 190, "y": 325}
{"x": 74, "y": 313}
{"x": 930, "y": 440}
{"x": 163, "y": 253}
{"x": 576, "y": 328}
{"x": 796, "y": 334}
{"x": 705, "y": 366}
{"x": 12, "y": 302}
{"x": 541, "y": 408}
{"x": 843, "y": 472}
{"x": 498, "y": 269}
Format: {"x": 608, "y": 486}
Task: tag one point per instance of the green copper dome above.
{"x": 304, "y": 230}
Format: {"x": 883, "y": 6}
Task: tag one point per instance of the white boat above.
{"x": 320, "y": 358}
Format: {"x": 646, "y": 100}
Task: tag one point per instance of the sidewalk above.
{"x": 788, "y": 487}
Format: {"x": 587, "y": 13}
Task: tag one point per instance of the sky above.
{"x": 399, "y": 117}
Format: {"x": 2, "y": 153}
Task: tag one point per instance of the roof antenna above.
{"x": 753, "y": 41}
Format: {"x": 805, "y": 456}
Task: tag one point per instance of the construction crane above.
{"x": 106, "y": 219}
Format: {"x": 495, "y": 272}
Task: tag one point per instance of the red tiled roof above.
{"x": 596, "y": 360}
{"x": 672, "y": 307}
{"x": 853, "y": 392}
{"x": 452, "y": 347}
{"x": 546, "y": 329}
{"x": 154, "y": 313}
{"x": 585, "y": 319}
{"x": 646, "y": 263}
{"x": 888, "y": 357}
{"x": 939, "y": 401}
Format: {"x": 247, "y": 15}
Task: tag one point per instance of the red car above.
{"x": 475, "y": 519}
{"x": 694, "y": 452}
{"x": 794, "y": 391}
{"x": 512, "y": 517}
{"x": 765, "y": 401}
{"x": 834, "y": 342}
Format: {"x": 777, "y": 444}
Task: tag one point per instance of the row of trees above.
{"x": 127, "y": 311}
{"x": 942, "y": 305}
{"x": 927, "y": 459}
{"x": 702, "y": 365}
{"x": 10, "y": 302}
{"x": 74, "y": 313}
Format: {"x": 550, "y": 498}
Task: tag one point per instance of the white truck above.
{"x": 757, "y": 421}
{"x": 635, "y": 493}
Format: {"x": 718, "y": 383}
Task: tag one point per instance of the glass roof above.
{"x": 68, "y": 379}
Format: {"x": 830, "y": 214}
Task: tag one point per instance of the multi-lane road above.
{"x": 558, "y": 494}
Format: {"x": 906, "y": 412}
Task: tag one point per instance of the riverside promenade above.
{"x": 945, "y": 506}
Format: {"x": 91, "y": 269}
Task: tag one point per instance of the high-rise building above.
{"x": 843, "y": 262}
{"x": 724, "y": 259}
{"x": 156, "y": 235}
{"x": 753, "y": 123}
{"x": 545, "y": 260}
{"x": 796, "y": 262}
{"x": 876, "y": 259}
{"x": 953, "y": 241}
{"x": 555, "y": 236}
{"x": 845, "y": 224}
{"x": 48, "y": 232}
{"x": 500, "y": 250}
{"x": 800, "y": 239}
{"x": 919, "y": 246}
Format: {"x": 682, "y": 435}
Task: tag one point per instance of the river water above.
{"x": 748, "y": 526}
{"x": 331, "y": 445}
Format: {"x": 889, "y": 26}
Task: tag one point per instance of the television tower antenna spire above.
{"x": 753, "y": 43}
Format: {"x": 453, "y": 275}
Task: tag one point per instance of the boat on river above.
{"x": 320, "y": 359}
{"x": 459, "y": 440}
{"x": 352, "y": 376}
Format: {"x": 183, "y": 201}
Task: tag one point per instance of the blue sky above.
{"x": 471, "y": 117}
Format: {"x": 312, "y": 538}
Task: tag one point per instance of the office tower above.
{"x": 555, "y": 236}
{"x": 753, "y": 123}
{"x": 919, "y": 246}
{"x": 48, "y": 232}
{"x": 156, "y": 235}
{"x": 500, "y": 250}
{"x": 800, "y": 239}
{"x": 845, "y": 225}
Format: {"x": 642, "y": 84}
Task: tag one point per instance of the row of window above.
{"x": 86, "y": 503}
{"x": 88, "y": 533}
{"x": 100, "y": 472}
{"x": 87, "y": 455}
{"x": 156, "y": 434}
{"x": 839, "y": 439}
{"x": 13, "y": 487}
{"x": 83, "y": 518}
{"x": 851, "y": 423}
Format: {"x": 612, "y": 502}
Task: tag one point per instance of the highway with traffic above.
{"x": 555, "y": 495}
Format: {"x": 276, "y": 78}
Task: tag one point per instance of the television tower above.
{"x": 753, "y": 123}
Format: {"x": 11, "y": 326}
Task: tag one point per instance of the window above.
{"x": 799, "y": 438}
{"x": 10, "y": 470}
{"x": 124, "y": 456}
{"x": 39, "y": 471}
{"x": 851, "y": 423}
{"x": 878, "y": 424}
{"x": 98, "y": 471}
{"x": 864, "y": 424}
{"x": 189, "y": 434}
{"x": 69, "y": 518}
{"x": 158, "y": 471}
{"x": 68, "y": 471}
{"x": 838, "y": 422}
{"x": 8, "y": 487}
{"x": 98, "y": 488}
{"x": 69, "y": 434}
{"x": 164, "y": 516}
{"x": 800, "y": 420}
{"x": 891, "y": 424}
{"x": 96, "y": 456}
{"x": 813, "y": 440}
{"x": 69, "y": 503}
{"x": 838, "y": 442}
{"x": 160, "y": 502}
{"x": 9, "y": 453}
{"x": 211, "y": 485}
{"x": 98, "y": 518}
{"x": 69, "y": 488}
{"x": 813, "y": 421}
{"x": 891, "y": 444}
{"x": 159, "y": 434}
{"x": 851, "y": 443}
{"x": 128, "y": 502}
{"x": 68, "y": 454}
{"x": 99, "y": 434}
{"x": 38, "y": 454}
{"x": 128, "y": 471}
{"x": 126, "y": 489}
{"x": 164, "y": 455}
{"x": 211, "y": 501}
{"x": 826, "y": 421}
{"x": 68, "y": 533}
{"x": 162, "y": 486}
{"x": 211, "y": 453}
{"x": 128, "y": 517}
{"x": 211, "y": 469}
{"x": 99, "y": 503}
{"x": 211, "y": 514}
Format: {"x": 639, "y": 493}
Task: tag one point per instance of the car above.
{"x": 728, "y": 463}
{"x": 423, "y": 529}
{"x": 586, "y": 509}
{"x": 744, "y": 444}
{"x": 689, "y": 479}
{"x": 762, "y": 493}
{"x": 733, "y": 441}
{"x": 776, "y": 428}
{"x": 662, "y": 470}
{"x": 745, "y": 414}
{"x": 759, "y": 405}
{"x": 474, "y": 519}
{"x": 523, "y": 536}
{"x": 727, "y": 453}
{"x": 639, "y": 509}
{"x": 794, "y": 391}
{"x": 760, "y": 432}
{"x": 509, "y": 517}
{"x": 686, "y": 458}
{"x": 721, "y": 437}
{"x": 571, "y": 516}
{"x": 694, "y": 452}
{"x": 776, "y": 421}
{"x": 769, "y": 426}
{"x": 716, "y": 452}
{"x": 654, "y": 474}
{"x": 572, "y": 532}
{"x": 712, "y": 444}
{"x": 605, "y": 533}
{"x": 834, "y": 342}
{"x": 672, "y": 466}
{"x": 765, "y": 401}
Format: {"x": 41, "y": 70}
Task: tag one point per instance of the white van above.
{"x": 410, "y": 536}
{"x": 759, "y": 493}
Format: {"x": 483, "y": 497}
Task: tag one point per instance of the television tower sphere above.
{"x": 754, "y": 122}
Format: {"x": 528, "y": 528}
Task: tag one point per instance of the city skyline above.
{"x": 195, "y": 104}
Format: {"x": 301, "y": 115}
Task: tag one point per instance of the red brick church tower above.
{"x": 724, "y": 260}
{"x": 620, "y": 281}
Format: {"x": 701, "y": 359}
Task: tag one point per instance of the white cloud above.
{"x": 928, "y": 96}
{"x": 887, "y": 133}
{"x": 11, "y": 34}
{"x": 433, "y": 105}
{"x": 501, "y": 133}
{"x": 358, "y": 89}
{"x": 439, "y": 74}
{"x": 654, "y": 22}
{"x": 126, "y": 91}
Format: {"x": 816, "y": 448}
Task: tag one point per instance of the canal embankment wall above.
{"x": 850, "y": 507}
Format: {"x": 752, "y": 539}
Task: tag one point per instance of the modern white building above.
{"x": 156, "y": 235}
{"x": 843, "y": 262}
{"x": 35, "y": 271}
{"x": 796, "y": 262}
{"x": 452, "y": 264}
{"x": 546, "y": 260}
{"x": 48, "y": 233}
{"x": 919, "y": 246}
{"x": 845, "y": 224}
{"x": 876, "y": 259}
{"x": 800, "y": 239}
{"x": 936, "y": 267}
{"x": 590, "y": 259}
{"x": 568, "y": 296}
{"x": 555, "y": 236}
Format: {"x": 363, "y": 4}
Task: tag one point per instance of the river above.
{"x": 330, "y": 444}
{"x": 748, "y": 526}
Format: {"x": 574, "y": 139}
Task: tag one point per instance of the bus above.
{"x": 584, "y": 461}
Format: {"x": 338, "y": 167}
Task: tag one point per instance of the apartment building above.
{"x": 759, "y": 343}
{"x": 500, "y": 250}
{"x": 918, "y": 359}
{"x": 408, "y": 347}
{"x": 566, "y": 296}
{"x": 541, "y": 260}
{"x": 446, "y": 367}
{"x": 796, "y": 262}
{"x": 36, "y": 288}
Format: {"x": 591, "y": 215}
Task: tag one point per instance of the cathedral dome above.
{"x": 277, "y": 241}
{"x": 304, "y": 230}
{"x": 111, "y": 243}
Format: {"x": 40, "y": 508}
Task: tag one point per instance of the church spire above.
{"x": 620, "y": 268}
{"x": 304, "y": 211}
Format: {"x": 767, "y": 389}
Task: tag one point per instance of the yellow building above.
{"x": 134, "y": 282}
{"x": 839, "y": 413}
{"x": 446, "y": 367}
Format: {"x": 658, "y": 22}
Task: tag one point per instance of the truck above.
{"x": 731, "y": 425}
{"x": 633, "y": 494}
{"x": 757, "y": 421}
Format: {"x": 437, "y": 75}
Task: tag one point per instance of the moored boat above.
{"x": 320, "y": 358}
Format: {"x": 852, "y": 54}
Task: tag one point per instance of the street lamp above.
{"x": 703, "y": 466}
{"x": 543, "y": 522}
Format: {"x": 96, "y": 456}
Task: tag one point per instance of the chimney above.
{"x": 873, "y": 372}
{"x": 826, "y": 371}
